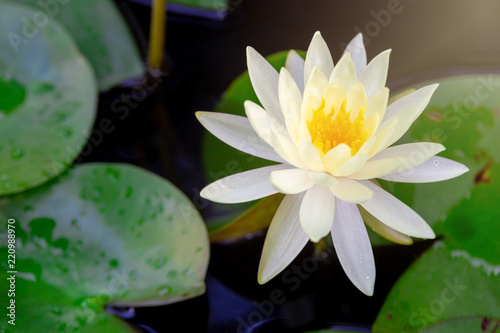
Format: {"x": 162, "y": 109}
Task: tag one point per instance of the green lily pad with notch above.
{"x": 441, "y": 285}
{"x": 48, "y": 98}
{"x": 101, "y": 34}
{"x": 103, "y": 234}
{"x": 469, "y": 128}
{"x": 465, "y": 212}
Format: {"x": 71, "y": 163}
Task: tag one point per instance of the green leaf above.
{"x": 441, "y": 285}
{"x": 233, "y": 161}
{"x": 460, "y": 276}
{"x": 470, "y": 130}
{"x": 104, "y": 234}
{"x": 48, "y": 100}
{"x": 101, "y": 34}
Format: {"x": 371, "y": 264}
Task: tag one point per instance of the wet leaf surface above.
{"x": 103, "y": 234}
{"x": 47, "y": 101}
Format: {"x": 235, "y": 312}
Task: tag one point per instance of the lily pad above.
{"x": 48, "y": 100}
{"x": 103, "y": 234}
{"x": 460, "y": 276}
{"x": 441, "y": 285}
{"x": 469, "y": 128}
{"x": 101, "y": 34}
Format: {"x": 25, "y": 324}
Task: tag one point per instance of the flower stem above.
{"x": 157, "y": 33}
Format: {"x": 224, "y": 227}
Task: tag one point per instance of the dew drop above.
{"x": 436, "y": 162}
{"x": 65, "y": 133}
{"x": 133, "y": 275}
{"x": 72, "y": 251}
{"x": 61, "y": 327}
{"x": 187, "y": 272}
{"x": 164, "y": 290}
{"x": 17, "y": 153}
{"x": 172, "y": 274}
{"x": 57, "y": 311}
{"x": 58, "y": 117}
{"x": 128, "y": 192}
{"x": 157, "y": 263}
{"x": 61, "y": 269}
{"x": 112, "y": 174}
{"x": 159, "y": 208}
{"x": 97, "y": 194}
{"x": 57, "y": 95}
{"x": 75, "y": 225}
{"x": 39, "y": 88}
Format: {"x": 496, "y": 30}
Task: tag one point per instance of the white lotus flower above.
{"x": 329, "y": 128}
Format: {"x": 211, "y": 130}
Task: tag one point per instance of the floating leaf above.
{"x": 441, "y": 285}
{"x": 469, "y": 128}
{"x": 48, "y": 100}
{"x": 460, "y": 276}
{"x": 104, "y": 234}
{"x": 100, "y": 32}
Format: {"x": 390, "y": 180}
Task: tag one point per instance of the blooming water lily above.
{"x": 330, "y": 130}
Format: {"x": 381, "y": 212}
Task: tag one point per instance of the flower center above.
{"x": 328, "y": 131}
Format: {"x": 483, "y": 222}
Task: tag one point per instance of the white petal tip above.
{"x": 252, "y": 54}
{"x": 368, "y": 292}
{"x": 264, "y": 277}
{"x": 367, "y": 286}
{"x": 425, "y": 234}
{"x": 200, "y": 114}
{"x": 205, "y": 194}
{"x": 314, "y": 238}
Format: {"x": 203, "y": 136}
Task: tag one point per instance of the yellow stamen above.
{"x": 328, "y": 131}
